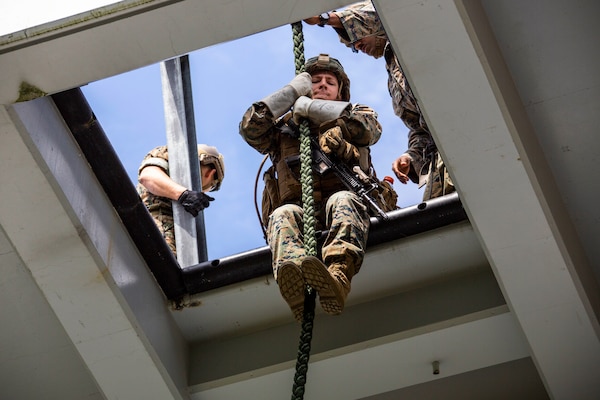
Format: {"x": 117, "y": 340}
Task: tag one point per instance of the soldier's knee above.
{"x": 342, "y": 197}
{"x": 286, "y": 210}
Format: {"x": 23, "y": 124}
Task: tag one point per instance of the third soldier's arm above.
{"x": 363, "y": 126}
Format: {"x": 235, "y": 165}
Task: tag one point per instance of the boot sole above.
{"x": 291, "y": 286}
{"x": 318, "y": 277}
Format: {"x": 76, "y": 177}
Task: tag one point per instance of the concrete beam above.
{"x": 478, "y": 121}
{"x": 91, "y": 46}
{"x": 69, "y": 237}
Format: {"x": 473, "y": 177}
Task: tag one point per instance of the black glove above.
{"x": 194, "y": 202}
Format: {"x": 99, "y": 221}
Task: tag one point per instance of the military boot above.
{"x": 291, "y": 286}
{"x": 332, "y": 284}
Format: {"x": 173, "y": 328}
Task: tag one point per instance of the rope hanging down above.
{"x": 310, "y": 239}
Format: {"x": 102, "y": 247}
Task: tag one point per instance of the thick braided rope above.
{"x": 310, "y": 239}
{"x": 308, "y": 202}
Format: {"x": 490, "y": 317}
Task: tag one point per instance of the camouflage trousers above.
{"x": 348, "y": 222}
{"x": 166, "y": 226}
{"x": 439, "y": 182}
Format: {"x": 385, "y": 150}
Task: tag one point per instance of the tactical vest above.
{"x": 282, "y": 179}
{"x": 157, "y": 157}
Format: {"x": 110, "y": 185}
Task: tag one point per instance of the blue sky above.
{"x": 226, "y": 79}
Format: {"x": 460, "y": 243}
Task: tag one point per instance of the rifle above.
{"x": 355, "y": 180}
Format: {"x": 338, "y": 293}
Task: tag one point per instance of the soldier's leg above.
{"x": 348, "y": 222}
{"x": 439, "y": 182}
{"x": 448, "y": 184}
{"x": 434, "y": 186}
{"x": 343, "y": 251}
{"x": 285, "y": 237}
{"x": 166, "y": 226}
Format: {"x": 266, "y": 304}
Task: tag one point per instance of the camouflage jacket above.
{"x": 420, "y": 141}
{"x": 158, "y": 157}
{"x": 263, "y": 133}
{"x": 360, "y": 20}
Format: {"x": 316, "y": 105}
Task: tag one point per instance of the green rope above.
{"x": 308, "y": 201}
{"x": 310, "y": 239}
{"x": 304, "y": 346}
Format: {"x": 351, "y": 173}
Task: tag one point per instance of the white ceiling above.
{"x": 509, "y": 298}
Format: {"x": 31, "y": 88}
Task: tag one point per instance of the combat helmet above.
{"x": 323, "y": 62}
{"x": 209, "y": 155}
{"x": 359, "y": 21}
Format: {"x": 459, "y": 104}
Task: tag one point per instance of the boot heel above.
{"x": 331, "y": 296}
{"x": 291, "y": 286}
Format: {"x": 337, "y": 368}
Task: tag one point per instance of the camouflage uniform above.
{"x": 360, "y": 20}
{"x": 161, "y": 208}
{"x": 336, "y": 209}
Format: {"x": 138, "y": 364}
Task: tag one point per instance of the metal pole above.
{"x": 183, "y": 156}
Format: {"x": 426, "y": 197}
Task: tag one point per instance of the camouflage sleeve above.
{"x": 257, "y": 127}
{"x": 358, "y": 20}
{"x": 158, "y": 157}
{"x": 420, "y": 144}
{"x": 420, "y": 141}
{"x": 363, "y": 126}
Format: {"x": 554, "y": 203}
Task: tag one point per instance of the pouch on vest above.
{"x": 270, "y": 195}
{"x": 387, "y": 196}
{"x": 290, "y": 188}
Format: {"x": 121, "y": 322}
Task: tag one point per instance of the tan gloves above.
{"x": 302, "y": 84}
{"x": 332, "y": 141}
{"x": 318, "y": 111}
{"x": 281, "y": 101}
